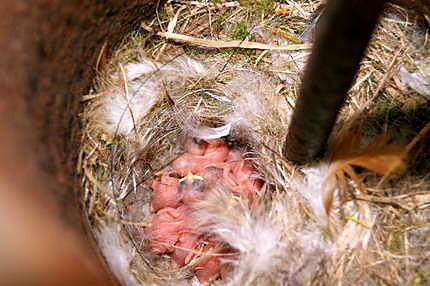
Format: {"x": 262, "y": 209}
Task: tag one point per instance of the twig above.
{"x": 124, "y": 76}
{"x": 407, "y": 149}
{"x": 230, "y": 44}
{"x": 387, "y": 76}
{"x": 417, "y": 138}
{"x": 408, "y": 201}
{"x": 100, "y": 55}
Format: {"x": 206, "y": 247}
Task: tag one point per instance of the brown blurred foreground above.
{"x": 48, "y": 51}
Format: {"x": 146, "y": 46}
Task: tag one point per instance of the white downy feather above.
{"x": 273, "y": 248}
{"x": 120, "y": 111}
{"x": 117, "y": 252}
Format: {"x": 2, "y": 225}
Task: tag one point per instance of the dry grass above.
{"x": 379, "y": 229}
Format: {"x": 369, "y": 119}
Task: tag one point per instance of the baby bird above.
{"x": 204, "y": 166}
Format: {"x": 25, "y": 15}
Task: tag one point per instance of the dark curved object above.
{"x": 342, "y": 36}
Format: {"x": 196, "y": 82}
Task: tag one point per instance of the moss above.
{"x": 401, "y": 123}
{"x": 118, "y": 141}
{"x": 134, "y": 40}
{"x": 100, "y": 171}
{"x": 421, "y": 278}
{"x": 129, "y": 47}
{"x": 396, "y": 244}
{"x": 240, "y": 30}
{"x": 265, "y": 6}
{"x": 202, "y": 54}
{"x": 262, "y": 6}
{"x": 162, "y": 15}
{"x": 217, "y": 25}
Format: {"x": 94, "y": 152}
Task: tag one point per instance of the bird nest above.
{"x": 181, "y": 157}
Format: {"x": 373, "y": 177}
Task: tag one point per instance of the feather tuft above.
{"x": 379, "y": 156}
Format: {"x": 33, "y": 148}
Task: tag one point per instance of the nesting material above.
{"x": 184, "y": 178}
{"x": 137, "y": 87}
{"x": 418, "y": 79}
